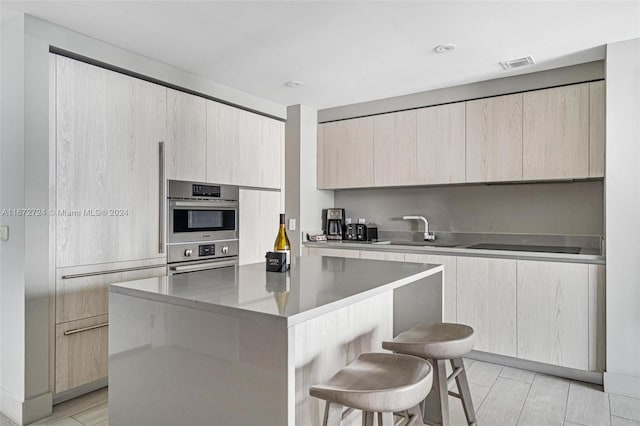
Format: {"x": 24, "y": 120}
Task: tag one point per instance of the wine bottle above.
{"x": 282, "y": 243}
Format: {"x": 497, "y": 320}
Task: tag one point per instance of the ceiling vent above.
{"x": 518, "y": 63}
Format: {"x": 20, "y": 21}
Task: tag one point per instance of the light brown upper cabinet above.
{"x": 548, "y": 134}
{"x": 394, "y": 149}
{"x": 243, "y": 148}
{"x": 320, "y": 173}
{"x": 556, "y": 133}
{"x": 348, "y": 153}
{"x": 596, "y": 128}
{"x": 494, "y": 139}
{"x": 441, "y": 144}
{"x": 186, "y": 137}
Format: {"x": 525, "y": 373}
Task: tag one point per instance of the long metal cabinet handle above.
{"x": 161, "y": 199}
{"x": 203, "y": 266}
{"x": 111, "y": 271}
{"x": 80, "y": 330}
{"x": 205, "y": 204}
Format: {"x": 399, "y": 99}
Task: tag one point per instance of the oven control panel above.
{"x": 206, "y": 250}
{"x": 181, "y": 252}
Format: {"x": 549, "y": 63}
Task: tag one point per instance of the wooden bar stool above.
{"x": 438, "y": 343}
{"x": 376, "y": 383}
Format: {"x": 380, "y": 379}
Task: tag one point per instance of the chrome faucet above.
{"x": 428, "y": 236}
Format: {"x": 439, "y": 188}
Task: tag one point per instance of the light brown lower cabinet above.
{"x": 320, "y": 251}
{"x": 82, "y": 352}
{"x": 382, "y": 255}
{"x": 553, "y": 313}
{"x": 487, "y": 302}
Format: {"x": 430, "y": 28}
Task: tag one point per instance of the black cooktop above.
{"x": 520, "y": 247}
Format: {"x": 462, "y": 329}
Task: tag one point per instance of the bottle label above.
{"x": 288, "y": 252}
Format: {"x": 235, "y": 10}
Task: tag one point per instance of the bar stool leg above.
{"x": 332, "y": 414}
{"x": 436, "y": 406}
{"x": 465, "y": 392}
{"x": 385, "y": 419}
{"x": 367, "y": 418}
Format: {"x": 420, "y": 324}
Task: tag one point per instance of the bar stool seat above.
{"x": 434, "y": 341}
{"x": 439, "y": 342}
{"x": 375, "y": 382}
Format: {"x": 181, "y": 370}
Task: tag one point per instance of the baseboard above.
{"x": 622, "y": 384}
{"x": 28, "y": 411}
{"x": 80, "y": 390}
{"x": 538, "y": 367}
{"x": 10, "y": 406}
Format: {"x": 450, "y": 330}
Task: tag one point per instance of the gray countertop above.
{"x": 314, "y": 285}
{"x": 586, "y": 255}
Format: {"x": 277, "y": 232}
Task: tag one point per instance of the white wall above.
{"x": 12, "y": 196}
{"x": 622, "y": 194}
{"x": 499, "y": 86}
{"x": 303, "y": 200}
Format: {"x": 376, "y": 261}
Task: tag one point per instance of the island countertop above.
{"x": 314, "y": 286}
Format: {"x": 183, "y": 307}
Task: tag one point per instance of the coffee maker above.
{"x": 333, "y": 223}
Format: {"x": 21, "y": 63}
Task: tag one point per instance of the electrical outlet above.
{"x": 292, "y": 224}
{"x": 4, "y": 233}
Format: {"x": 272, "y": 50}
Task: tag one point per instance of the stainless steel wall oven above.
{"x": 202, "y": 226}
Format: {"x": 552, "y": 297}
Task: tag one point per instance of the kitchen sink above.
{"x": 522, "y": 247}
{"x": 424, "y": 244}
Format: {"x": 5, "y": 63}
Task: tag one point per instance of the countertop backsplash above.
{"x": 559, "y": 209}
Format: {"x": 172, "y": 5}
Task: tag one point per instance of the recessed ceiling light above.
{"x": 517, "y": 63}
{"x": 294, "y": 83}
{"x": 445, "y": 48}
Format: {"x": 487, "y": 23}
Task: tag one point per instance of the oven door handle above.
{"x": 204, "y": 266}
{"x": 204, "y": 204}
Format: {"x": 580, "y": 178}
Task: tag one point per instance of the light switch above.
{"x": 4, "y": 233}
{"x": 292, "y": 224}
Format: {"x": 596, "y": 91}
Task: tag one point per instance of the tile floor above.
{"x": 501, "y": 396}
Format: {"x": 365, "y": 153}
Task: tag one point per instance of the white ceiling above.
{"x": 349, "y": 51}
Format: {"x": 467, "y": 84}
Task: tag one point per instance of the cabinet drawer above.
{"x": 382, "y": 255}
{"x": 82, "y": 352}
{"x": 82, "y": 293}
{"x": 319, "y": 251}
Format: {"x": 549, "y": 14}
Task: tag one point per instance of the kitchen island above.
{"x": 241, "y": 346}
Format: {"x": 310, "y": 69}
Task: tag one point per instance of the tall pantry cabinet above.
{"x": 108, "y": 188}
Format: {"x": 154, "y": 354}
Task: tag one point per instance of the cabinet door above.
{"x": 186, "y": 155}
{"x": 487, "y": 302}
{"x": 553, "y": 300}
{"x": 556, "y": 133}
{"x": 320, "y": 172}
{"x": 81, "y": 293}
{"x": 320, "y": 251}
{"x": 348, "y": 153}
{"x": 261, "y": 144}
{"x": 82, "y": 352}
{"x": 243, "y": 148}
{"x": 258, "y": 223}
{"x": 108, "y": 129}
{"x": 382, "y": 255}
{"x": 596, "y": 128}
{"x": 441, "y": 144}
{"x": 450, "y": 280}
{"x": 223, "y": 143}
{"x": 494, "y": 139}
{"x": 394, "y": 149}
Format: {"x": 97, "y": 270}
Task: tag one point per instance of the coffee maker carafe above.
{"x": 333, "y": 223}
